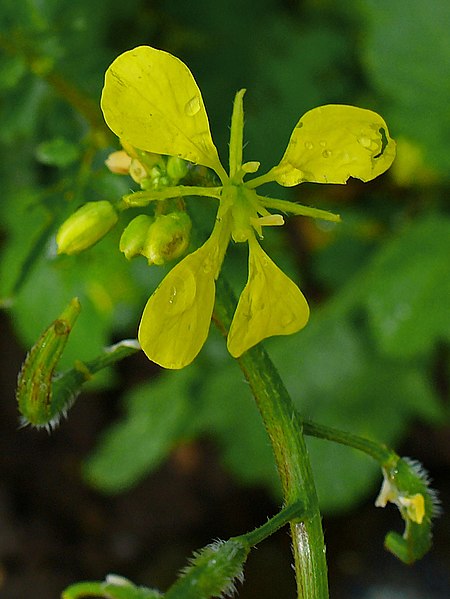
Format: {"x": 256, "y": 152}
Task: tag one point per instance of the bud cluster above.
{"x": 160, "y": 238}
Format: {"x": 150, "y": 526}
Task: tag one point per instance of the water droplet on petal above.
{"x": 326, "y": 153}
{"x": 173, "y": 295}
{"x": 182, "y": 292}
{"x": 323, "y": 143}
{"x": 207, "y": 266}
{"x": 287, "y": 319}
{"x": 193, "y": 106}
{"x": 309, "y": 145}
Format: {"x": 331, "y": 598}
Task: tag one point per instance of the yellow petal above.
{"x": 270, "y": 304}
{"x": 176, "y": 319}
{"x": 415, "y": 507}
{"x": 151, "y": 101}
{"x": 332, "y": 143}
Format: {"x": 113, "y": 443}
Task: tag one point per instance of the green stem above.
{"x": 291, "y": 455}
{"x": 377, "y": 451}
{"x": 294, "y": 511}
{"x": 260, "y": 180}
{"x": 143, "y": 198}
{"x": 84, "y": 589}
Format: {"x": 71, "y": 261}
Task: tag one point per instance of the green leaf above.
{"x": 57, "y": 152}
{"x": 12, "y": 69}
{"x": 415, "y": 82}
{"x": 408, "y": 290}
{"x": 228, "y": 412}
{"x": 155, "y": 420}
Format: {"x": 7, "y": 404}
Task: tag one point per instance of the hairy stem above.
{"x": 285, "y": 432}
{"x": 377, "y": 451}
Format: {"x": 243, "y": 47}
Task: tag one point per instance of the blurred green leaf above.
{"x": 12, "y": 69}
{"x": 408, "y": 291}
{"x": 229, "y": 413}
{"x": 406, "y": 50}
{"x": 57, "y": 152}
{"x": 154, "y": 422}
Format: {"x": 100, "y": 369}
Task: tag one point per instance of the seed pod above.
{"x": 85, "y": 227}
{"x": 167, "y": 237}
{"x": 213, "y": 571}
{"x": 134, "y": 236}
{"x": 34, "y": 385}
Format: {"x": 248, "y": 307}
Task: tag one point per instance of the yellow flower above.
{"x": 152, "y": 103}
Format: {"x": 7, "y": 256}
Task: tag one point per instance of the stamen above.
{"x": 271, "y": 220}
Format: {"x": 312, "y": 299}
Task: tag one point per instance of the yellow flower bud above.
{"x": 85, "y": 227}
{"x": 134, "y": 236}
{"x": 167, "y": 237}
{"x": 119, "y": 162}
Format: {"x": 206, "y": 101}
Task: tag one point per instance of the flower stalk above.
{"x": 285, "y": 433}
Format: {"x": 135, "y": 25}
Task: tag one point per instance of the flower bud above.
{"x": 137, "y": 171}
{"x": 177, "y": 168}
{"x": 167, "y": 237}
{"x": 134, "y": 236}
{"x": 85, "y": 227}
{"x": 156, "y": 179}
{"x": 119, "y": 162}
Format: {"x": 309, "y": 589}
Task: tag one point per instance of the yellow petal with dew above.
{"x": 152, "y": 102}
{"x": 332, "y": 143}
{"x": 270, "y": 304}
{"x": 176, "y": 319}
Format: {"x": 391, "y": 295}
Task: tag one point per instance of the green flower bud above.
{"x": 167, "y": 237}
{"x": 134, "y": 236}
{"x": 85, "y": 227}
{"x": 177, "y": 168}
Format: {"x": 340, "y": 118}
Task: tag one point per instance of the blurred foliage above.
{"x": 378, "y": 284}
